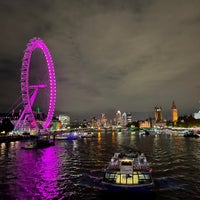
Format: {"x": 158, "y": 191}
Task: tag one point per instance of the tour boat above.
{"x": 128, "y": 172}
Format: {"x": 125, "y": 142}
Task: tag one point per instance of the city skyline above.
{"x": 125, "y": 55}
{"x": 157, "y": 114}
{"x": 166, "y": 114}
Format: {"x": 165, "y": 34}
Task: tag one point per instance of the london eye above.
{"x": 38, "y": 84}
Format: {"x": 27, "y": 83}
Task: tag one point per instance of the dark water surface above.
{"x": 61, "y": 171}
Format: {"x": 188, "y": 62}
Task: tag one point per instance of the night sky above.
{"x": 109, "y": 55}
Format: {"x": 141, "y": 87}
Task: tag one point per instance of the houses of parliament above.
{"x": 158, "y": 118}
{"x": 174, "y": 113}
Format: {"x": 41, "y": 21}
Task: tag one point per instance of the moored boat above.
{"x": 87, "y": 134}
{"x": 37, "y": 142}
{"x": 191, "y": 134}
{"x": 128, "y": 172}
{"x": 68, "y": 135}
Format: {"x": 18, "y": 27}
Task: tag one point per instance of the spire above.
{"x": 174, "y": 113}
{"x": 173, "y": 105}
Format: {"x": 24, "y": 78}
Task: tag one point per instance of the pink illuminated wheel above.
{"x": 30, "y": 90}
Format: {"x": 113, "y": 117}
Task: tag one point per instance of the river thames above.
{"x": 62, "y": 171}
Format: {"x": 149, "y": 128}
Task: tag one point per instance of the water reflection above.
{"x": 37, "y": 174}
{"x": 62, "y": 171}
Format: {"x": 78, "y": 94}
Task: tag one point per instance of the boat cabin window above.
{"x": 126, "y": 163}
{"x": 128, "y": 179}
{"x": 110, "y": 175}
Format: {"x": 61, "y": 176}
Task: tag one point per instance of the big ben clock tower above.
{"x": 174, "y": 113}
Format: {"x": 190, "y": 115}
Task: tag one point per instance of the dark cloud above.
{"x": 127, "y": 55}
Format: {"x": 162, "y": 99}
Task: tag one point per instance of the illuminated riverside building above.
{"x": 103, "y": 120}
{"x": 145, "y": 124}
{"x": 118, "y": 118}
{"x": 158, "y": 114}
{"x": 158, "y": 120}
{"x": 124, "y": 119}
{"x": 129, "y": 117}
{"x": 197, "y": 115}
{"x": 65, "y": 120}
{"x": 174, "y": 113}
{"x": 95, "y": 122}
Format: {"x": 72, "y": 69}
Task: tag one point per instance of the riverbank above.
{"x": 11, "y": 138}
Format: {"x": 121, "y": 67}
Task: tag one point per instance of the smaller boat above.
{"x": 191, "y": 134}
{"x": 41, "y": 141}
{"x": 30, "y": 144}
{"x": 68, "y": 135}
{"x": 143, "y": 133}
{"x": 128, "y": 172}
{"x": 87, "y": 134}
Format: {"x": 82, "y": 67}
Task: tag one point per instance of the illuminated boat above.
{"x": 67, "y": 136}
{"x": 87, "y": 134}
{"x": 128, "y": 172}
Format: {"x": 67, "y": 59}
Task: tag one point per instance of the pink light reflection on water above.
{"x": 37, "y": 174}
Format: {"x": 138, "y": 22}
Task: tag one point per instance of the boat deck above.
{"x": 130, "y": 170}
{"x": 133, "y": 162}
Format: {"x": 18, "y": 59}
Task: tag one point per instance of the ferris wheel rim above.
{"x": 37, "y": 43}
